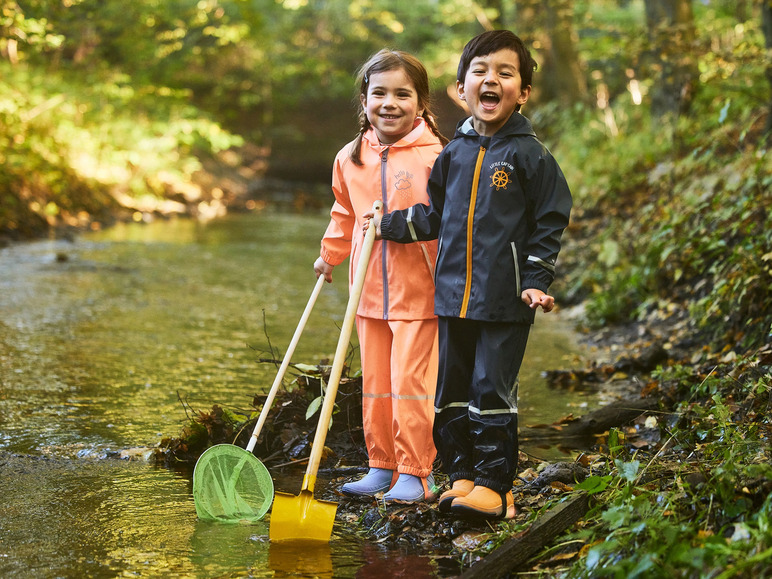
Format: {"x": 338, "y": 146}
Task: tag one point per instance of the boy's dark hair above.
{"x": 493, "y": 41}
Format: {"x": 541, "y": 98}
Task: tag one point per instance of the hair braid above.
{"x": 432, "y": 124}
{"x": 356, "y": 151}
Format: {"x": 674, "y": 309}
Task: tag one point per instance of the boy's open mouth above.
{"x": 489, "y": 100}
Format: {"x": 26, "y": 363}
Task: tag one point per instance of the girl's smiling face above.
{"x": 493, "y": 89}
{"x": 391, "y": 105}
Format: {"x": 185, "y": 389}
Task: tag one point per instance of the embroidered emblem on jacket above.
{"x": 404, "y": 184}
{"x": 500, "y": 179}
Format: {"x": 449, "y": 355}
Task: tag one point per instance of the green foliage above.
{"x": 681, "y": 217}
{"x": 702, "y": 503}
{"x": 76, "y": 145}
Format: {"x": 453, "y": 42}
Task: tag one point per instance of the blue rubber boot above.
{"x": 411, "y": 489}
{"x": 377, "y": 480}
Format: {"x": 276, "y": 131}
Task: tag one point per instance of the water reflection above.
{"x": 216, "y": 548}
{"x": 301, "y": 560}
{"x": 378, "y": 563}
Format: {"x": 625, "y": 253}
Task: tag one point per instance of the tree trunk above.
{"x": 766, "y": 22}
{"x": 546, "y": 26}
{"x": 671, "y": 36}
{"x": 564, "y": 80}
{"x": 527, "y": 22}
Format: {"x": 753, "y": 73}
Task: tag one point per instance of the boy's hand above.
{"x": 535, "y": 298}
{"x": 376, "y": 217}
{"x": 321, "y": 267}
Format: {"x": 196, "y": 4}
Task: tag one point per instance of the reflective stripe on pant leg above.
{"x": 413, "y": 382}
{"x": 457, "y": 339}
{"x": 493, "y": 410}
{"x": 375, "y": 340}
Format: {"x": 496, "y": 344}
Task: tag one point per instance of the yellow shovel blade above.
{"x": 301, "y": 518}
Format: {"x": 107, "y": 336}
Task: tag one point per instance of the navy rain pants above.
{"x": 475, "y": 422}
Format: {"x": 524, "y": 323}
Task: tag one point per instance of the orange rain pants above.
{"x": 398, "y": 392}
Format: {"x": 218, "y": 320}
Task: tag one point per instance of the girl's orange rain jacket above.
{"x": 400, "y": 278}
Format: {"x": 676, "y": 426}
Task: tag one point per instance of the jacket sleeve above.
{"x": 336, "y": 243}
{"x": 549, "y": 206}
{"x": 420, "y": 222}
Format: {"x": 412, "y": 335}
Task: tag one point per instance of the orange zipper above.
{"x": 469, "y": 224}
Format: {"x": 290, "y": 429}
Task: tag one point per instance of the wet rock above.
{"x": 371, "y": 518}
{"x": 298, "y": 450}
{"x": 568, "y": 473}
{"x": 383, "y": 531}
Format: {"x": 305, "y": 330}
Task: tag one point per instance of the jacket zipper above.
{"x": 469, "y": 224}
{"x": 384, "y": 157}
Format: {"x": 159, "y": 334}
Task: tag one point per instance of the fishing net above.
{"x": 231, "y": 485}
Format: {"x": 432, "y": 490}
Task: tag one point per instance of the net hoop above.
{"x": 231, "y": 485}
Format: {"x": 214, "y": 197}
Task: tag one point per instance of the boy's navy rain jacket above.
{"x": 499, "y": 206}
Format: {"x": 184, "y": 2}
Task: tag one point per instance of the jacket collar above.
{"x": 517, "y": 124}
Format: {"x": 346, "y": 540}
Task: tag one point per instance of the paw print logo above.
{"x": 403, "y": 183}
{"x": 500, "y": 179}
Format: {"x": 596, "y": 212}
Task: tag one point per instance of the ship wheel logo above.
{"x": 500, "y": 179}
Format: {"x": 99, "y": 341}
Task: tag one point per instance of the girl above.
{"x": 390, "y": 160}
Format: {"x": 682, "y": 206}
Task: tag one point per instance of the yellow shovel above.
{"x": 304, "y": 518}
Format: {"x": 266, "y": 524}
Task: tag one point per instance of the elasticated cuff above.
{"x": 386, "y": 226}
{"x": 536, "y": 278}
{"x": 329, "y": 258}
{"x": 414, "y": 470}
{"x": 497, "y": 486}
{"x": 534, "y": 283}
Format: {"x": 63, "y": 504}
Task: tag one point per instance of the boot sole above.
{"x": 478, "y": 514}
{"x": 363, "y": 495}
{"x": 446, "y": 504}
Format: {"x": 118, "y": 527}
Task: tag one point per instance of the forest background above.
{"x": 658, "y": 112}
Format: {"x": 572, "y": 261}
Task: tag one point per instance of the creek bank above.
{"x": 231, "y": 181}
{"x": 285, "y": 442}
{"x": 625, "y": 358}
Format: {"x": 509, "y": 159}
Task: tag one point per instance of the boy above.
{"x": 498, "y": 205}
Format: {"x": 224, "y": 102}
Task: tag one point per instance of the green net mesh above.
{"x": 231, "y": 485}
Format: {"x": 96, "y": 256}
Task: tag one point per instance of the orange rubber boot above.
{"x": 460, "y": 488}
{"x": 485, "y": 503}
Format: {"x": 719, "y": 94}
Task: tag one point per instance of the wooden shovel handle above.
{"x": 285, "y": 364}
{"x": 309, "y": 480}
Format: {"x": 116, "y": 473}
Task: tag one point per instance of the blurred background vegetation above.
{"x": 657, "y": 110}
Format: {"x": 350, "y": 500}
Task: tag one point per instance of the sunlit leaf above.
{"x": 628, "y": 470}
{"x": 307, "y": 368}
{"x": 313, "y": 407}
{"x": 594, "y": 484}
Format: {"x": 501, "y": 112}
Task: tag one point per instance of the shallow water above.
{"x": 102, "y": 337}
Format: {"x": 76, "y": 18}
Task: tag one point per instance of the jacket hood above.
{"x": 517, "y": 125}
{"x": 420, "y": 136}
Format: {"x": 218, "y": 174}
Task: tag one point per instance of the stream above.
{"x": 101, "y": 339}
